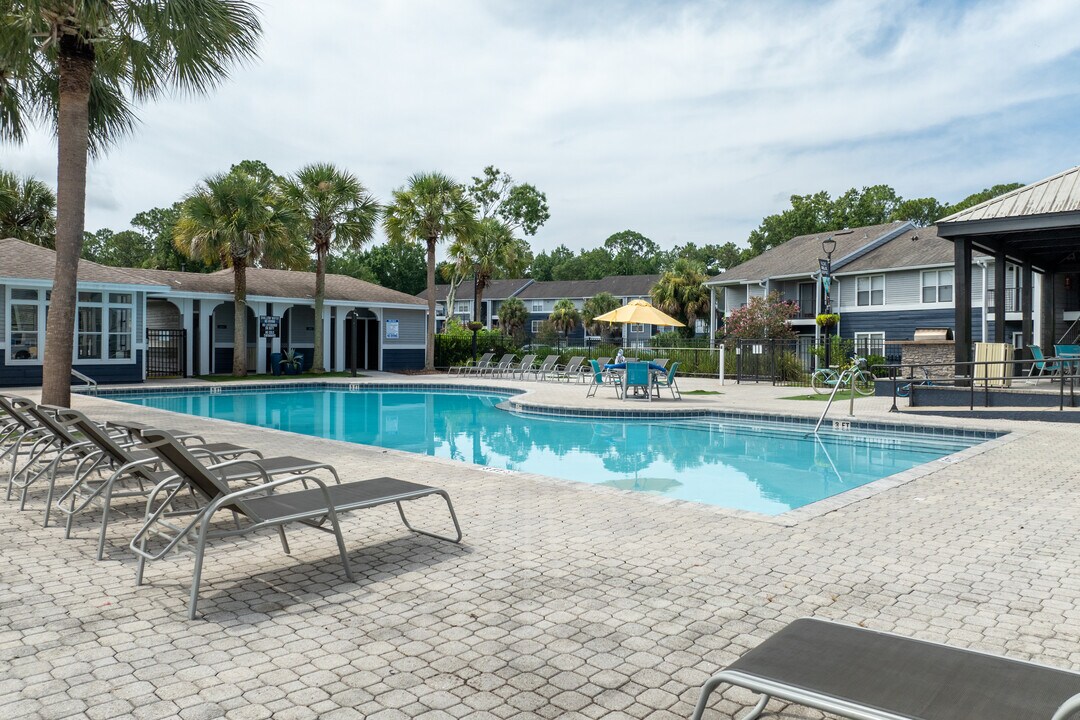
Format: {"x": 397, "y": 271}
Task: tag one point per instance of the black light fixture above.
{"x": 827, "y": 246}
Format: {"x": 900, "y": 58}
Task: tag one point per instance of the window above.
{"x": 26, "y": 319}
{"x": 538, "y": 306}
{"x": 536, "y": 325}
{"x": 104, "y": 325}
{"x": 869, "y": 343}
{"x": 870, "y": 290}
{"x": 461, "y": 308}
{"x": 937, "y": 286}
{"x": 637, "y": 328}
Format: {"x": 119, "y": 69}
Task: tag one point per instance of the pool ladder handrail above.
{"x": 91, "y": 383}
{"x": 850, "y": 373}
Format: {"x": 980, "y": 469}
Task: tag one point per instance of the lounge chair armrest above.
{"x": 268, "y": 488}
{"x": 240, "y": 461}
{"x": 1067, "y": 708}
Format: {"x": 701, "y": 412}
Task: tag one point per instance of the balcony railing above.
{"x": 1012, "y": 300}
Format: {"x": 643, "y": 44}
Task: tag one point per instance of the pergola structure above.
{"x": 1036, "y": 227}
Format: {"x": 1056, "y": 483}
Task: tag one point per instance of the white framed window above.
{"x": 461, "y": 308}
{"x": 440, "y": 309}
{"x": 869, "y": 343}
{"x": 536, "y": 325}
{"x": 538, "y": 306}
{"x": 637, "y": 328}
{"x": 937, "y": 286}
{"x": 870, "y": 290}
{"x": 26, "y": 326}
{"x": 104, "y": 326}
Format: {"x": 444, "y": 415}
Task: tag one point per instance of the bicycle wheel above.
{"x": 822, "y": 383}
{"x": 864, "y": 382}
{"x": 903, "y": 389}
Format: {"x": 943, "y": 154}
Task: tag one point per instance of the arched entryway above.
{"x": 362, "y": 339}
{"x": 221, "y": 352}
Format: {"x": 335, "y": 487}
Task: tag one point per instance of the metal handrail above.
{"x": 850, "y": 372}
{"x": 91, "y": 383}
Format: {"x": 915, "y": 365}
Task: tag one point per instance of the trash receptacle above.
{"x": 275, "y": 363}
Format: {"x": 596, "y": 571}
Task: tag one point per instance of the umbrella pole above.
{"x": 626, "y": 336}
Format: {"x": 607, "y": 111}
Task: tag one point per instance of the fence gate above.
{"x": 166, "y": 354}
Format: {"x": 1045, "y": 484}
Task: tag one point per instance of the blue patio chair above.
{"x": 1041, "y": 365}
{"x": 668, "y": 381}
{"x": 601, "y": 379}
{"x": 637, "y": 376}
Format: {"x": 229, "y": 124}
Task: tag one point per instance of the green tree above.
{"x": 491, "y": 252}
{"x": 519, "y": 206}
{"x": 237, "y": 220}
{"x": 564, "y": 317}
{"x": 633, "y": 254}
{"x": 428, "y": 209}
{"x": 807, "y": 214}
{"x": 590, "y": 264}
{"x": 681, "y": 293}
{"x": 126, "y": 248}
{"x": 512, "y": 318}
{"x": 74, "y": 67}
{"x": 762, "y": 317}
{"x": 27, "y": 209}
{"x": 714, "y": 258}
{"x": 598, "y": 304}
{"x": 921, "y": 211}
{"x": 873, "y": 205}
{"x": 339, "y": 213}
{"x": 980, "y": 197}
{"x": 158, "y": 225}
{"x": 397, "y": 265}
{"x": 545, "y": 263}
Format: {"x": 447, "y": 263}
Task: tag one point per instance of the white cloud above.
{"x": 682, "y": 121}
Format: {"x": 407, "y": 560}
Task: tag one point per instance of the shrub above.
{"x": 762, "y": 317}
{"x": 455, "y": 348}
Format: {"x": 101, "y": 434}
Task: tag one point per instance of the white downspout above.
{"x": 712, "y": 316}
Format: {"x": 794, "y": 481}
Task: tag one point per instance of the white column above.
{"x": 339, "y": 339}
{"x": 325, "y": 320}
{"x": 206, "y": 335}
{"x": 712, "y": 316}
{"x": 259, "y": 309}
{"x": 187, "y": 317}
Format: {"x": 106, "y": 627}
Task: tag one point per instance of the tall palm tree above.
{"x": 340, "y": 213}
{"x": 513, "y": 316}
{"x": 565, "y": 317}
{"x": 681, "y": 292}
{"x": 74, "y": 65}
{"x": 598, "y": 304}
{"x": 27, "y": 210}
{"x": 236, "y": 220}
{"x": 490, "y": 252}
{"x": 429, "y": 208}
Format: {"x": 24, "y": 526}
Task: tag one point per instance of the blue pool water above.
{"x": 765, "y": 468}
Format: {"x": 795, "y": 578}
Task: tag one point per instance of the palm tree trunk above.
{"x": 239, "y": 353}
{"x": 481, "y": 283}
{"x": 429, "y": 350}
{"x": 320, "y": 301}
{"x": 76, "y": 66}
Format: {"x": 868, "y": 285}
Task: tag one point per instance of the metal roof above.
{"x": 1060, "y": 193}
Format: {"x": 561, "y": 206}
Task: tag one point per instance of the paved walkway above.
{"x": 565, "y": 599}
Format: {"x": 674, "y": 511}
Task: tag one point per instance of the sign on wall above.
{"x": 268, "y": 326}
{"x": 393, "y": 328}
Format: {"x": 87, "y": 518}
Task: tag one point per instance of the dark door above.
{"x": 372, "y": 345}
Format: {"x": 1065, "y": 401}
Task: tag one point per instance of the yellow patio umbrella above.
{"x": 638, "y": 312}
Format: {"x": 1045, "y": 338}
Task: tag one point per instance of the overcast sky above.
{"x": 683, "y": 121}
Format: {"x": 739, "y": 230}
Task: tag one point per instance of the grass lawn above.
{"x": 702, "y": 392}
{"x": 253, "y": 376}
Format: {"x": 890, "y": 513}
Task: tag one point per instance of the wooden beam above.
{"x": 999, "y": 294}
{"x": 1027, "y": 327}
{"x": 962, "y": 303}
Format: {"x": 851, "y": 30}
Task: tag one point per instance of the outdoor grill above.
{"x": 933, "y": 334}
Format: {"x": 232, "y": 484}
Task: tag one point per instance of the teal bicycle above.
{"x": 825, "y": 380}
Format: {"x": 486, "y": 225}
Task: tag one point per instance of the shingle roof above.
{"x": 617, "y": 285}
{"x": 495, "y": 290}
{"x": 26, "y": 261}
{"x": 1060, "y": 193}
{"x": 918, "y": 247}
{"x": 800, "y": 254}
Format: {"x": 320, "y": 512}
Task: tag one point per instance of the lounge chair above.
{"x": 484, "y": 364}
{"x": 601, "y": 378}
{"x": 668, "y": 381}
{"x": 662, "y": 362}
{"x": 522, "y": 367}
{"x": 469, "y": 368}
{"x": 261, "y": 506}
{"x": 142, "y": 470}
{"x": 869, "y": 675}
{"x": 541, "y": 372}
{"x": 1040, "y": 366}
{"x": 570, "y": 371}
{"x": 637, "y": 375}
{"x": 503, "y": 366}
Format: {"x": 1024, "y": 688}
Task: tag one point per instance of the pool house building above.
{"x": 133, "y": 323}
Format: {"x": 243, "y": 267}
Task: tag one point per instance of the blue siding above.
{"x": 902, "y": 325}
{"x": 30, "y": 375}
{"x": 403, "y": 359}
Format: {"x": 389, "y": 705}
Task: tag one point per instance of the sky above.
{"x": 685, "y": 121}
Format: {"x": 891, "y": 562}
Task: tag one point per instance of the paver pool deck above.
{"x": 564, "y": 600}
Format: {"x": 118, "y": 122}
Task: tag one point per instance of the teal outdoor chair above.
{"x": 601, "y": 379}
{"x": 668, "y": 381}
{"x": 1040, "y": 366}
{"x": 637, "y": 376}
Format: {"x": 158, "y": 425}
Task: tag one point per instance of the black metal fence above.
{"x": 793, "y": 361}
{"x": 166, "y": 353}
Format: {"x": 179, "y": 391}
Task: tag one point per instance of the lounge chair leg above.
{"x": 708, "y": 690}
{"x": 106, "y": 506}
{"x": 284, "y": 540}
{"x": 453, "y": 516}
{"x": 196, "y": 573}
{"x": 340, "y": 544}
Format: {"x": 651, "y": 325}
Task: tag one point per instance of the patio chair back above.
{"x": 1067, "y": 350}
{"x": 526, "y": 362}
{"x": 671, "y": 373}
{"x": 45, "y": 415}
{"x": 662, "y": 362}
{"x": 104, "y": 442}
{"x": 597, "y": 372}
{"x": 602, "y": 361}
{"x": 549, "y": 364}
{"x": 1039, "y": 358}
{"x": 15, "y": 406}
{"x": 174, "y": 455}
{"x": 637, "y": 374}
{"x": 484, "y": 360}
{"x": 506, "y": 362}
{"x": 574, "y": 366}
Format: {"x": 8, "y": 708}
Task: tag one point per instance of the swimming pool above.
{"x": 762, "y": 467}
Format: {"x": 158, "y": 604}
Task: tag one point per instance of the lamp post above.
{"x": 828, "y": 245}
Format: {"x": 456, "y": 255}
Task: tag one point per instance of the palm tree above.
{"x": 598, "y": 304}
{"x": 236, "y": 220}
{"x": 565, "y": 317}
{"x": 491, "y": 251}
{"x": 340, "y": 213}
{"x": 74, "y": 65}
{"x": 27, "y": 210}
{"x": 513, "y": 316}
{"x": 681, "y": 292}
{"x": 429, "y": 208}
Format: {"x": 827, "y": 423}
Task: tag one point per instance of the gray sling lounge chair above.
{"x": 260, "y": 506}
{"x": 868, "y": 675}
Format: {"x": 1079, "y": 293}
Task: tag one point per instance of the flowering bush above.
{"x": 763, "y": 317}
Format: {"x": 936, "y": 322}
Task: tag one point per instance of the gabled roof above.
{"x": 617, "y": 285}
{"x": 800, "y": 254}
{"x": 917, "y": 247}
{"x": 1060, "y": 193}
{"x": 495, "y": 290}
{"x": 25, "y": 261}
